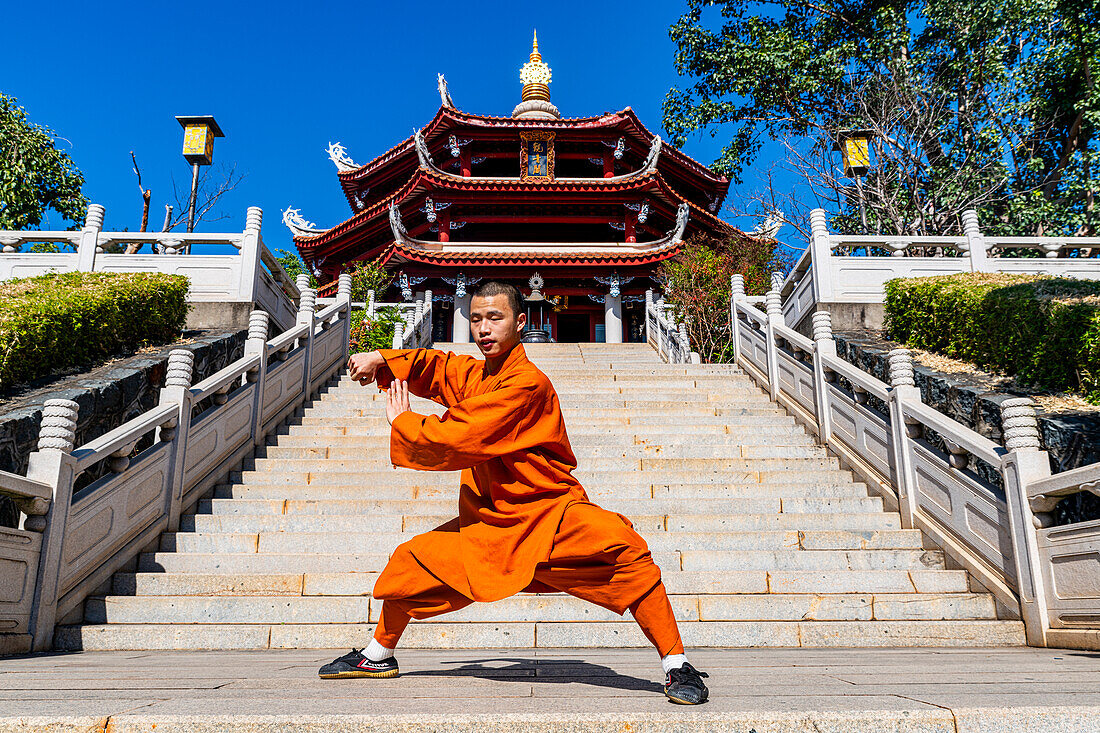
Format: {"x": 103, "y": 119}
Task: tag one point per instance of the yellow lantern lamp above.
{"x": 855, "y": 148}
{"x": 198, "y": 138}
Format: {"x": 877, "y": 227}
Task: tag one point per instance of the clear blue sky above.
{"x": 284, "y": 79}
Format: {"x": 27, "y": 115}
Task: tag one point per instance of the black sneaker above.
{"x": 684, "y": 686}
{"x": 356, "y": 665}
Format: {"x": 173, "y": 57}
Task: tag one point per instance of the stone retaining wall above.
{"x": 108, "y": 396}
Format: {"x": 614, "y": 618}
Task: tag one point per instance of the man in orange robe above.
{"x": 524, "y": 522}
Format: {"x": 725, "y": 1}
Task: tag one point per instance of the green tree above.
{"x": 987, "y": 104}
{"x": 34, "y": 175}
{"x": 294, "y": 266}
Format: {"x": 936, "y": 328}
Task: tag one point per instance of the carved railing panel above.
{"x": 71, "y": 544}
{"x": 985, "y": 505}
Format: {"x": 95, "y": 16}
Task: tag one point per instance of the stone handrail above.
{"x": 830, "y": 271}
{"x": 664, "y": 334}
{"x": 984, "y": 504}
{"x": 253, "y": 275}
{"x": 159, "y": 464}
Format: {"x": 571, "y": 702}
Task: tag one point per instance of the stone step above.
{"x": 386, "y": 532}
{"x": 736, "y": 419}
{"x": 645, "y": 523}
{"x": 395, "y": 486}
{"x": 623, "y": 430}
{"x": 350, "y": 458}
{"x": 342, "y": 446}
{"x": 546, "y": 635}
{"x": 541, "y": 608}
{"x": 706, "y": 560}
{"x": 857, "y": 503}
{"x": 677, "y": 582}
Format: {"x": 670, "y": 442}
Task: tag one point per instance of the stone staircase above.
{"x": 762, "y": 538}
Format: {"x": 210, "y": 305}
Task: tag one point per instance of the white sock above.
{"x": 673, "y": 661}
{"x": 376, "y": 652}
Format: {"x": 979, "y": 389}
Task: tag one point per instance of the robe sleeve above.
{"x": 472, "y": 431}
{"x": 436, "y": 375}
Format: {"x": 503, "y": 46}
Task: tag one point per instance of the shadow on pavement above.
{"x": 544, "y": 671}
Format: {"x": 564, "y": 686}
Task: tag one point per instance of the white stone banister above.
{"x": 937, "y": 472}
{"x": 665, "y": 334}
{"x": 253, "y": 275}
{"x": 70, "y": 544}
{"x": 847, "y": 273}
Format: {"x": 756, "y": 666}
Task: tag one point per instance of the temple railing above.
{"x": 251, "y": 276}
{"x": 665, "y": 334}
{"x": 986, "y": 505}
{"x": 159, "y": 464}
{"x": 852, "y": 269}
{"x": 414, "y": 331}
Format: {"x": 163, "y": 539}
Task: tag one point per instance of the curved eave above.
{"x": 435, "y": 181}
{"x": 397, "y": 253}
{"x": 445, "y": 117}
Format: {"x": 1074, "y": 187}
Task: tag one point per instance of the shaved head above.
{"x": 496, "y": 287}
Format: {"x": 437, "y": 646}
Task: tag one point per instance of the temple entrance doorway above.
{"x": 573, "y": 328}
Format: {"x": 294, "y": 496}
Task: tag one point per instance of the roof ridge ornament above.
{"x": 400, "y": 233}
{"x": 769, "y": 228}
{"x": 298, "y": 226}
{"x": 338, "y": 154}
{"x": 422, "y": 152}
{"x": 444, "y": 93}
{"x": 535, "y": 76}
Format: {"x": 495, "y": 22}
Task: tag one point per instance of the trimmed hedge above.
{"x": 75, "y": 319}
{"x": 1042, "y": 330}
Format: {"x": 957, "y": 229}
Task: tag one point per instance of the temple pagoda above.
{"x": 587, "y": 207}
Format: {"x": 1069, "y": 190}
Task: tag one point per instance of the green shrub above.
{"x": 1042, "y": 330}
{"x": 369, "y": 334}
{"x": 75, "y": 319}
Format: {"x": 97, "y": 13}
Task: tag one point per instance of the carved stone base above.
{"x": 536, "y": 109}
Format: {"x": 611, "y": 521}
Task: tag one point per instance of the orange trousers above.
{"x": 597, "y": 556}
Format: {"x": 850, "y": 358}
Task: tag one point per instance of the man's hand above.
{"x": 397, "y": 400}
{"x": 363, "y": 367}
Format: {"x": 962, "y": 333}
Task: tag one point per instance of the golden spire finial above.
{"x": 535, "y": 75}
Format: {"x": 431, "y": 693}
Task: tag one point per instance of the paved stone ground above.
{"x": 535, "y": 691}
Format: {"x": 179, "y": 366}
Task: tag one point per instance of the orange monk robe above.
{"x": 506, "y": 433}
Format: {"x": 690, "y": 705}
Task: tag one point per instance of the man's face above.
{"x": 493, "y": 325}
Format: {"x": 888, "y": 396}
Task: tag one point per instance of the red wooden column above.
{"x": 631, "y": 226}
{"x": 608, "y": 164}
{"x": 464, "y": 161}
{"x": 444, "y": 222}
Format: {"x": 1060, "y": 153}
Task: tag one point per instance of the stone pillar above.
{"x": 54, "y": 465}
{"x": 89, "y": 238}
{"x": 1024, "y": 464}
{"x": 904, "y": 391}
{"x": 821, "y": 250}
{"x": 975, "y": 242}
{"x": 460, "y": 330}
{"x": 302, "y": 281}
{"x": 613, "y": 318}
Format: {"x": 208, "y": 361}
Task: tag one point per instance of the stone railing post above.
{"x": 737, "y": 293}
{"x": 658, "y": 323}
{"x": 258, "y": 324}
{"x": 775, "y": 318}
{"x": 89, "y": 238}
{"x": 903, "y": 390}
{"x": 648, "y": 315}
{"x": 821, "y": 250}
{"x": 343, "y": 295}
{"x": 177, "y": 391}
{"x": 306, "y": 307}
{"x": 975, "y": 242}
{"x": 1025, "y": 463}
{"x": 370, "y": 304}
{"x": 425, "y": 339}
{"x": 52, "y": 464}
{"x": 824, "y": 346}
{"x": 301, "y": 282}
{"x": 250, "y": 254}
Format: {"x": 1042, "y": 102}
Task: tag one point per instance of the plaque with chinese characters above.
{"x": 536, "y": 155}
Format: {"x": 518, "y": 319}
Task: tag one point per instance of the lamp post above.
{"x": 198, "y": 149}
{"x": 855, "y": 149}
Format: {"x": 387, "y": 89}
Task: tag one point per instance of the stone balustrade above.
{"x": 985, "y": 505}
{"x": 665, "y": 334}
{"x": 253, "y": 277}
{"x": 71, "y": 542}
{"x": 845, "y": 273}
